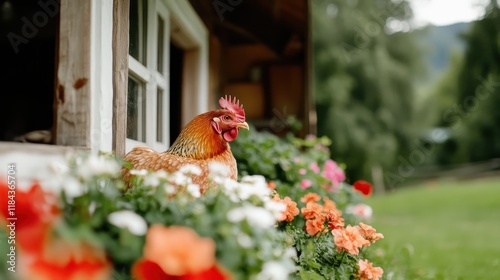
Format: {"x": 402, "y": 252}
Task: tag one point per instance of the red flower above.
{"x": 363, "y": 187}
{"x": 177, "y": 253}
{"x": 148, "y": 270}
{"x": 43, "y": 256}
{"x": 33, "y": 214}
{"x": 62, "y": 259}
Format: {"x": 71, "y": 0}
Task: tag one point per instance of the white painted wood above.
{"x": 192, "y": 35}
{"x": 101, "y": 75}
{"x": 140, "y": 71}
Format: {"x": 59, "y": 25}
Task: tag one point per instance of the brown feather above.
{"x": 198, "y": 144}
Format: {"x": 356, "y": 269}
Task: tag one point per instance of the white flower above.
{"x": 92, "y": 207}
{"x": 128, "y": 220}
{"x": 254, "y": 185}
{"x": 244, "y": 240}
{"x": 255, "y": 180}
{"x": 291, "y": 253}
{"x": 178, "y": 178}
{"x": 231, "y": 188}
{"x": 273, "y": 270}
{"x": 190, "y": 169}
{"x": 361, "y": 210}
{"x": 275, "y": 207}
{"x": 58, "y": 168}
{"x": 139, "y": 172}
{"x": 72, "y": 187}
{"x": 255, "y": 216}
{"x": 152, "y": 180}
{"x": 194, "y": 190}
{"x": 169, "y": 189}
{"x": 162, "y": 174}
{"x": 218, "y": 169}
{"x": 97, "y": 165}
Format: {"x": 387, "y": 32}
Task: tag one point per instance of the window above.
{"x": 167, "y": 43}
{"x": 27, "y": 71}
{"x": 147, "y": 98}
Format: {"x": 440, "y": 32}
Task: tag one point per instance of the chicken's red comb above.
{"x": 233, "y": 106}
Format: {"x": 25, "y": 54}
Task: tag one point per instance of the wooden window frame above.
{"x": 191, "y": 35}
{"x": 90, "y": 110}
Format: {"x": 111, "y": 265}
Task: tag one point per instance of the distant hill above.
{"x": 438, "y": 42}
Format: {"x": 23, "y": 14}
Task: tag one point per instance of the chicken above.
{"x": 202, "y": 141}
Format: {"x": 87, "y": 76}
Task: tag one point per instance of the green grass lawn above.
{"x": 443, "y": 230}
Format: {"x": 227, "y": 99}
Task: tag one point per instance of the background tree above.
{"x": 473, "y": 113}
{"x": 364, "y": 72}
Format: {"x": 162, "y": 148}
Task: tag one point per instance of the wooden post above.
{"x": 120, "y": 73}
{"x": 72, "y": 100}
{"x": 310, "y": 115}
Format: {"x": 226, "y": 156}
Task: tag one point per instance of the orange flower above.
{"x": 291, "y": 210}
{"x": 334, "y": 218}
{"x": 329, "y": 205}
{"x": 310, "y": 197}
{"x": 175, "y": 251}
{"x": 271, "y": 185}
{"x": 368, "y": 272}
{"x": 369, "y": 233}
{"x": 312, "y": 211}
{"x": 61, "y": 260}
{"x": 349, "y": 240}
{"x": 314, "y": 226}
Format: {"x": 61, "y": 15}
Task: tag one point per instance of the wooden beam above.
{"x": 30, "y": 148}
{"x": 310, "y": 116}
{"x": 120, "y": 73}
{"x": 72, "y": 100}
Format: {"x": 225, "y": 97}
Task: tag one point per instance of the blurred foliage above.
{"x": 288, "y": 162}
{"x": 466, "y": 98}
{"x": 281, "y": 161}
{"x": 364, "y": 73}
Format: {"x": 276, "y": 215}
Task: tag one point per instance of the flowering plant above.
{"x": 86, "y": 223}
{"x": 324, "y": 215}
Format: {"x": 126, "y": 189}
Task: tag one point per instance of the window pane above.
{"x": 138, "y": 30}
{"x": 136, "y": 111}
{"x": 160, "y": 37}
{"x": 159, "y": 115}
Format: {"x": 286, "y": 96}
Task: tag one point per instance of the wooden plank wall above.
{"x": 120, "y": 73}
{"x": 72, "y": 99}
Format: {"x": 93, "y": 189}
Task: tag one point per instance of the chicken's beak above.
{"x": 243, "y": 125}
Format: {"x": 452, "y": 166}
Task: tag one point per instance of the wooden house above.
{"x": 108, "y": 75}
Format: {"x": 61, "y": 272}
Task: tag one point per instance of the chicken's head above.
{"x": 230, "y": 119}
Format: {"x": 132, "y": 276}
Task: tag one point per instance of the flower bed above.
{"x": 299, "y": 220}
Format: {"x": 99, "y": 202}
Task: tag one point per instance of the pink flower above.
{"x": 333, "y": 173}
{"x": 310, "y": 137}
{"x": 314, "y": 167}
{"x": 304, "y": 184}
{"x": 302, "y": 171}
{"x": 360, "y": 210}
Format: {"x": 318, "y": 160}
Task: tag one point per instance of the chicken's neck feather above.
{"x": 198, "y": 140}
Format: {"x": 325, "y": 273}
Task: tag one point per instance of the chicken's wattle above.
{"x": 230, "y": 135}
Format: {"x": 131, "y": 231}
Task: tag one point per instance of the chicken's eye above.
{"x": 226, "y": 117}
